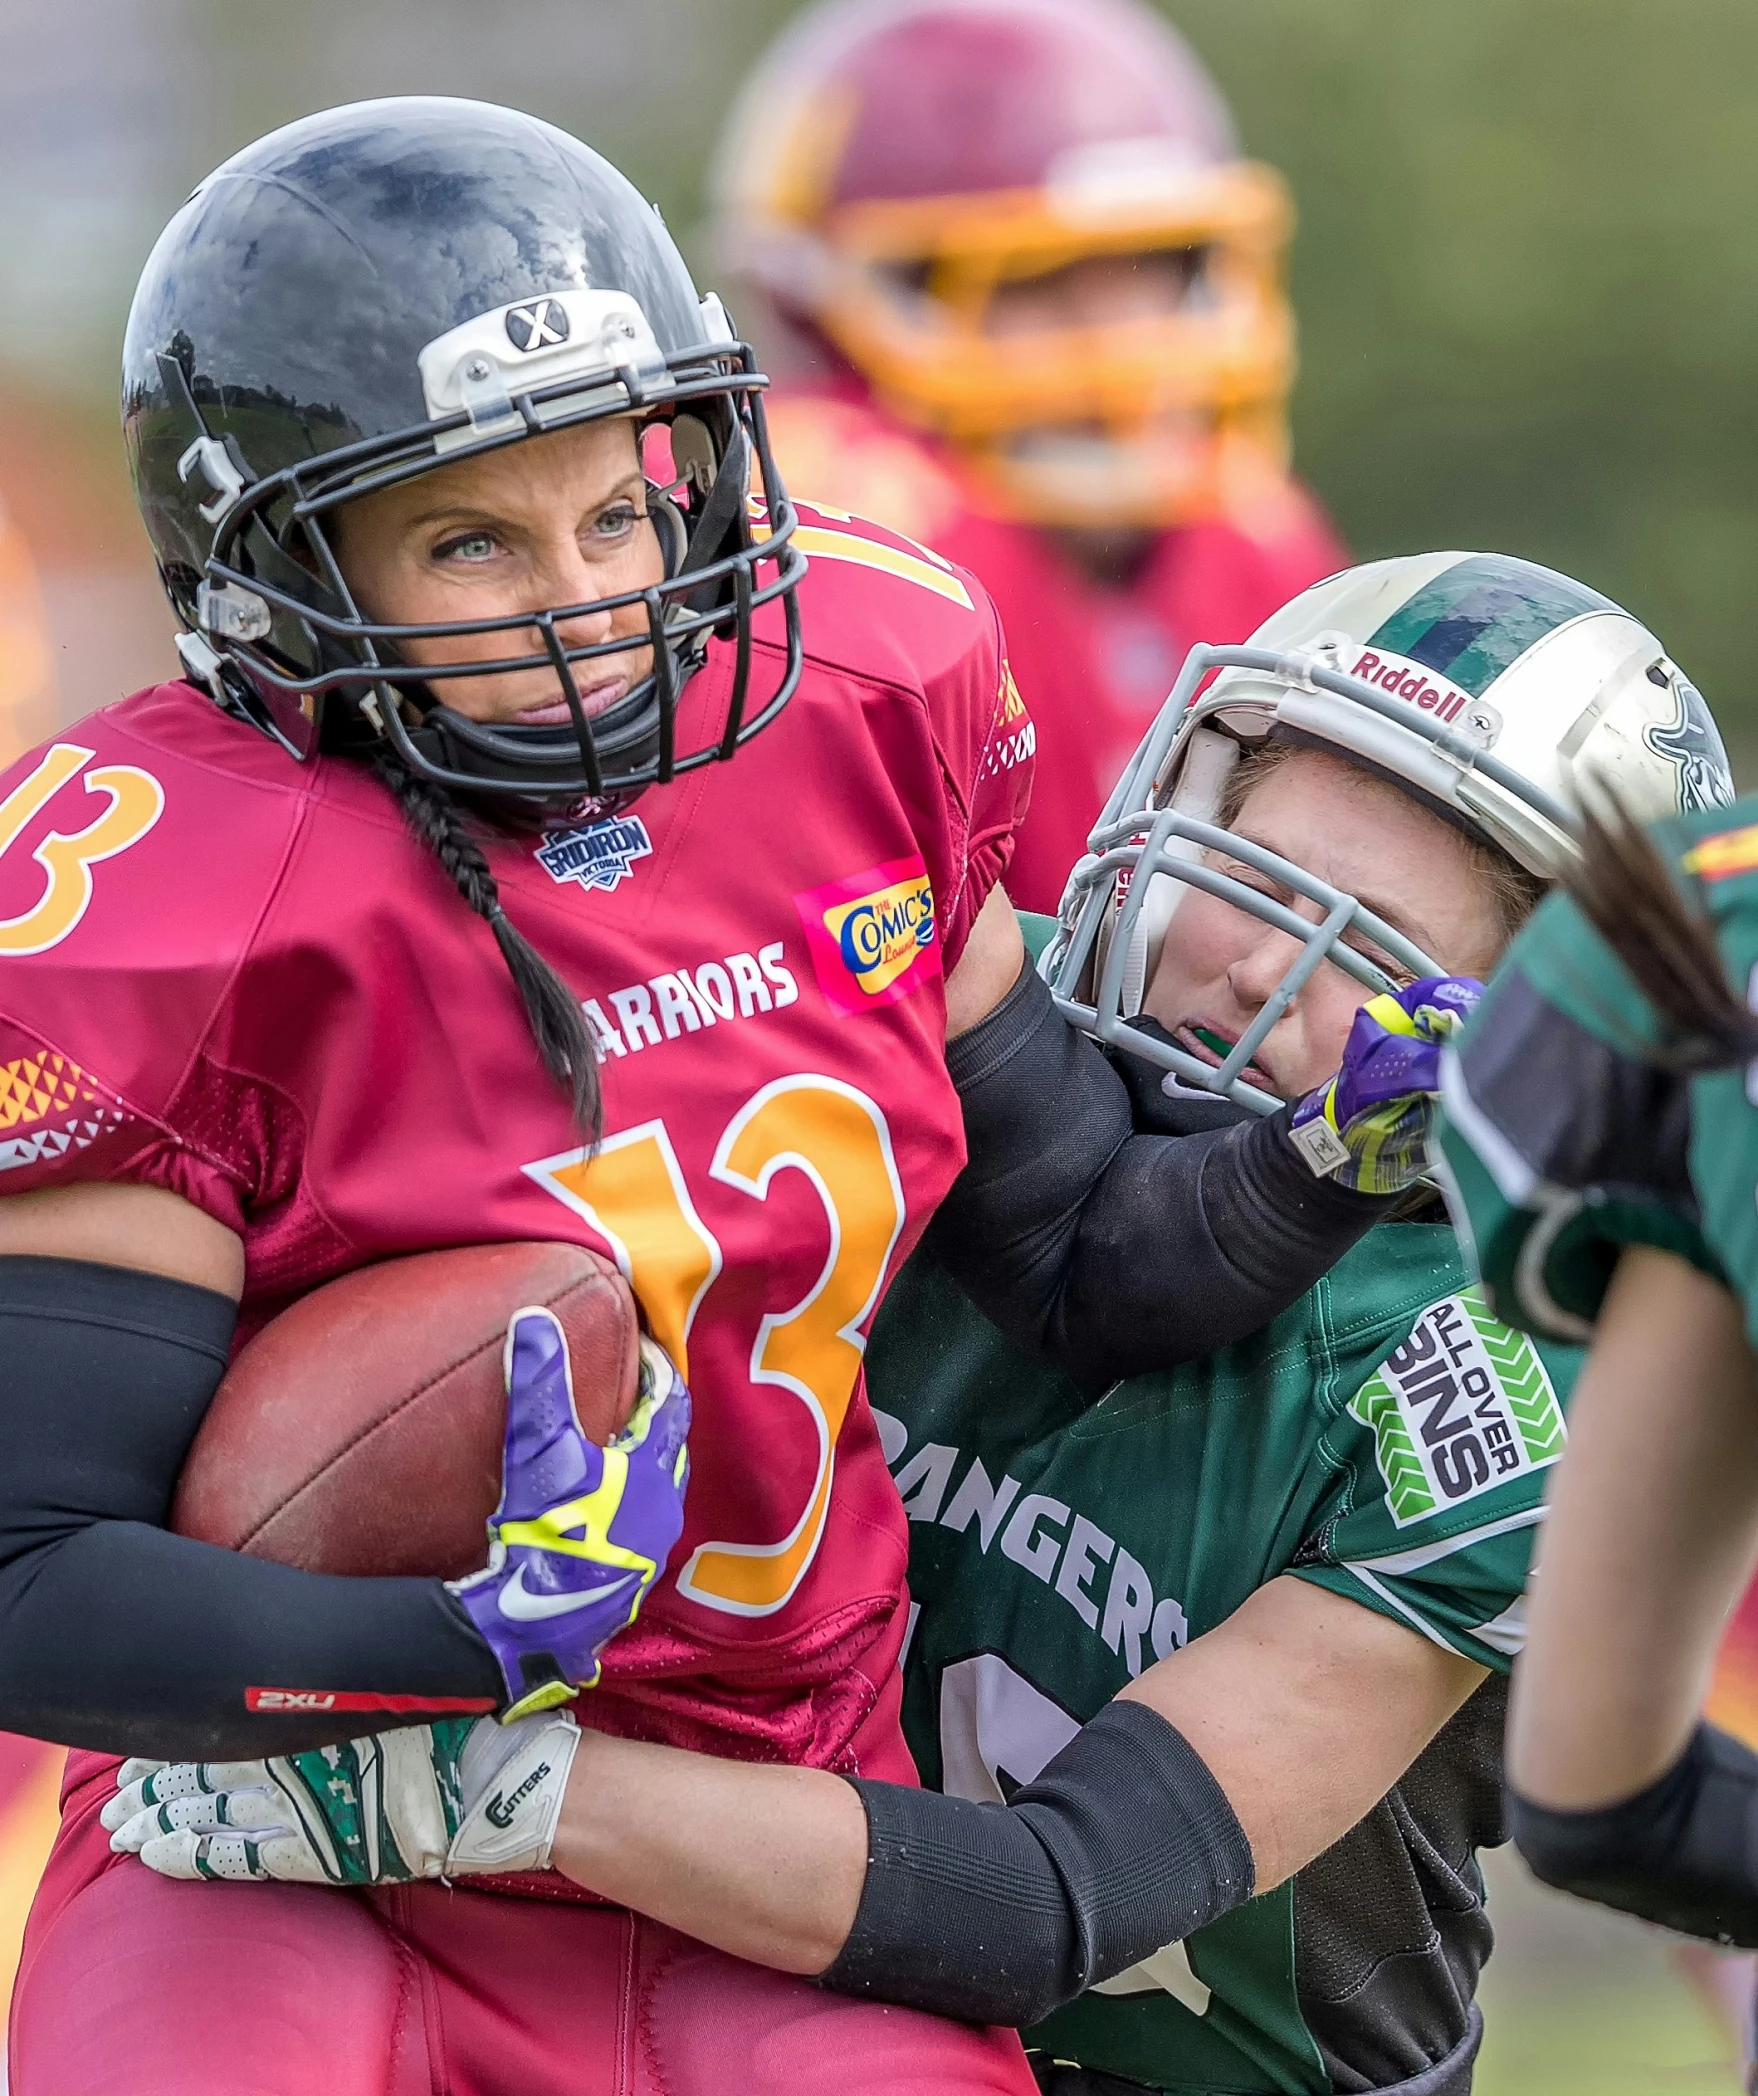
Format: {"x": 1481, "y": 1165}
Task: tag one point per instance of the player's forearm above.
{"x": 1108, "y": 1250}
{"x": 119, "y": 1636}
{"x": 124, "y": 1639}
{"x": 766, "y": 1863}
{"x": 990, "y": 1913}
{"x": 1653, "y": 1520}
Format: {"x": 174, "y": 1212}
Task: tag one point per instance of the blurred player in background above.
{"x": 1035, "y": 300}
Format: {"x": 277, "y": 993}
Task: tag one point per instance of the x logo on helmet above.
{"x": 537, "y": 325}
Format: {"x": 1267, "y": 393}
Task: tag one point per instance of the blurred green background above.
{"x": 1527, "y": 279}
{"x": 1527, "y": 271}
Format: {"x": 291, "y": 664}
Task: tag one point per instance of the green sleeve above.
{"x": 1564, "y": 1134}
{"x": 1037, "y": 932}
{"x": 1439, "y": 1461}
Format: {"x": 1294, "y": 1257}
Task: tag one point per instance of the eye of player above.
{"x": 468, "y": 548}
{"x": 1354, "y": 938}
{"x": 616, "y": 523}
{"x": 1370, "y": 950}
{"x": 478, "y": 544}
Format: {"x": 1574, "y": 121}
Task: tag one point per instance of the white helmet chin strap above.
{"x": 1208, "y": 764}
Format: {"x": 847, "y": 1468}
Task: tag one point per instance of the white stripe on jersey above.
{"x": 1427, "y": 1554}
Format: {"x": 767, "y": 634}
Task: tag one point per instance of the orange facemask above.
{"x": 1146, "y": 418}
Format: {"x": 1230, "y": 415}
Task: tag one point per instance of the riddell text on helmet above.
{"x": 1411, "y": 680}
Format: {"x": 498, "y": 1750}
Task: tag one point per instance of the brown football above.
{"x": 361, "y": 1431}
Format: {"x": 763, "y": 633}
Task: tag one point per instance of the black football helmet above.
{"x": 374, "y": 292}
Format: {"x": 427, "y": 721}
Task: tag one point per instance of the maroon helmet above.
{"x": 892, "y": 165}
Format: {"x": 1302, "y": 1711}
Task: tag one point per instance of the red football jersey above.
{"x": 240, "y": 978}
{"x": 1095, "y": 663}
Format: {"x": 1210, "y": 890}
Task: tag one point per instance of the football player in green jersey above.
{"x": 1206, "y": 1666}
{"x": 1603, "y": 1132}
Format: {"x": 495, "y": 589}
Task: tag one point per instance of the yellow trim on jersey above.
{"x": 927, "y": 570}
{"x": 1727, "y": 852}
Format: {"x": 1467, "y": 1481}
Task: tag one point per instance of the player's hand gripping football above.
{"x": 1370, "y": 1126}
{"x": 581, "y": 1532}
{"x": 442, "y": 1800}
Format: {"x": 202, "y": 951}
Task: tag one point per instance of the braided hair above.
{"x": 552, "y": 1011}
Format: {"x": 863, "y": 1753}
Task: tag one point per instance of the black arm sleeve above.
{"x": 1683, "y": 1852}
{"x": 1002, "y": 1913}
{"x": 117, "y": 1635}
{"x": 1108, "y": 1251}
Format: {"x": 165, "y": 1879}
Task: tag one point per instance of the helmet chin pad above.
{"x": 1202, "y": 781}
{"x": 508, "y": 758}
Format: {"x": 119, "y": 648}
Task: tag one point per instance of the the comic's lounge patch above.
{"x": 1462, "y": 1406}
{"x": 872, "y": 935}
{"x": 596, "y": 854}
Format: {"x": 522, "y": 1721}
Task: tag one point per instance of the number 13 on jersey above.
{"x": 632, "y": 1192}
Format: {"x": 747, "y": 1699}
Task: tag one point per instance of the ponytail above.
{"x": 553, "y": 1013}
{"x": 1625, "y": 889}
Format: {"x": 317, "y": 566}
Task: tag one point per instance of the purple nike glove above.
{"x": 581, "y": 1532}
{"x": 1370, "y": 1126}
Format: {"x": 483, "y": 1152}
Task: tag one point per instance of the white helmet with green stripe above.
{"x": 1499, "y": 693}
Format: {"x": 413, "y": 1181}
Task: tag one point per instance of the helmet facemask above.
{"x": 1143, "y": 421}
{"x": 1151, "y": 846}
{"x": 280, "y": 632}
{"x": 1496, "y": 693}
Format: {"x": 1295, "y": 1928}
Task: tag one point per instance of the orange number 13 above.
{"x": 632, "y": 1192}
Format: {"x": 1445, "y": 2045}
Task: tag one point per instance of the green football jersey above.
{"x": 1386, "y": 1439}
{"x": 1565, "y": 1135}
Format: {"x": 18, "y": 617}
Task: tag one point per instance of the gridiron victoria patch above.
{"x": 1463, "y": 1406}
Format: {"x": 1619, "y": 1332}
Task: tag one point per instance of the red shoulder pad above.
{"x": 877, "y": 605}
{"x": 138, "y": 850}
{"x": 880, "y": 605}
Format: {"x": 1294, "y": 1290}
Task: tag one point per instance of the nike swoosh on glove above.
{"x": 1370, "y": 1127}
{"x": 581, "y": 1532}
{"x": 445, "y": 1800}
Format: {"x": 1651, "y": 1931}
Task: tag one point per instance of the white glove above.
{"x": 429, "y": 1801}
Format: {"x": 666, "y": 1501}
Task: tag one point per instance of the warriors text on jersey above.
{"x": 240, "y": 979}
{"x": 1095, "y": 663}
{"x": 1385, "y": 1439}
{"x": 1568, "y": 1137}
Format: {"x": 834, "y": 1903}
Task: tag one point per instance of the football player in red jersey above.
{"x": 1035, "y": 299}
{"x": 465, "y": 502}
{"x": 386, "y": 380}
